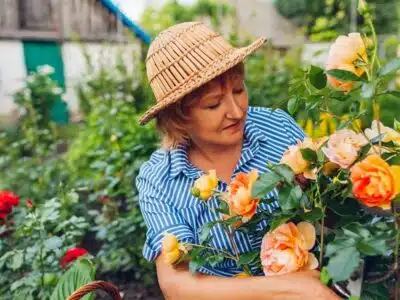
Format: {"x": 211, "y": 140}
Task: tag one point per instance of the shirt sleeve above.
{"x": 160, "y": 217}
{"x": 293, "y": 130}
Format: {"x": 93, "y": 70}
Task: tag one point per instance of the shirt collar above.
{"x": 251, "y": 144}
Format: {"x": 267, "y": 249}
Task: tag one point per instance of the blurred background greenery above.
{"x": 84, "y": 172}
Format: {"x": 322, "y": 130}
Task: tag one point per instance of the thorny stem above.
{"x": 224, "y": 253}
{"x": 320, "y": 204}
{"x": 233, "y": 243}
{"x": 321, "y": 252}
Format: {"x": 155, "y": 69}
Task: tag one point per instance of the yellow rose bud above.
{"x": 196, "y": 192}
{"x": 170, "y": 242}
{"x": 170, "y": 248}
{"x": 242, "y": 275}
{"x": 172, "y": 256}
{"x": 205, "y": 185}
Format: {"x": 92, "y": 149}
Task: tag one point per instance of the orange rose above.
{"x": 375, "y": 183}
{"x": 343, "y": 54}
{"x": 204, "y": 186}
{"x": 294, "y": 159}
{"x": 239, "y": 196}
{"x": 285, "y": 249}
{"x": 170, "y": 248}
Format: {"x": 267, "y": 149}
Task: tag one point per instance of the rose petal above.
{"x": 312, "y": 262}
{"x": 308, "y": 232}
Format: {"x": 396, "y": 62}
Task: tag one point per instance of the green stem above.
{"x": 397, "y": 243}
{"x": 375, "y": 41}
{"x": 321, "y": 253}
{"x": 247, "y": 270}
{"x": 233, "y": 243}
{"x": 224, "y": 253}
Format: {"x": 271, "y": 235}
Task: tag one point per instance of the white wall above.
{"x": 12, "y": 73}
{"x": 75, "y": 64}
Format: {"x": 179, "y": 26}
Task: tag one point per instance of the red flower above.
{"x": 29, "y": 203}
{"x": 7, "y": 201}
{"x": 10, "y": 197}
{"x": 71, "y": 255}
{"x": 104, "y": 200}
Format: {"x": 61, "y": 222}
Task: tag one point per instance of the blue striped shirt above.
{"x": 164, "y": 183}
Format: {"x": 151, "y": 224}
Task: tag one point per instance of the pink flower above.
{"x": 285, "y": 249}
{"x": 343, "y": 147}
{"x": 343, "y": 55}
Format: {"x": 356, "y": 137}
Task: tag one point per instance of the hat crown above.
{"x": 180, "y": 53}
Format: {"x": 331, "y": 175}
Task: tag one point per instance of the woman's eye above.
{"x": 238, "y": 91}
{"x": 213, "y": 106}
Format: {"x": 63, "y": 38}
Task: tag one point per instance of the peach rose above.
{"x": 375, "y": 183}
{"x": 294, "y": 159}
{"x": 343, "y": 147}
{"x": 239, "y": 196}
{"x": 343, "y": 54}
{"x": 204, "y": 186}
{"x": 285, "y": 249}
{"x": 388, "y": 134}
{"x": 170, "y": 248}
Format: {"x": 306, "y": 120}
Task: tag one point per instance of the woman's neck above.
{"x": 221, "y": 158}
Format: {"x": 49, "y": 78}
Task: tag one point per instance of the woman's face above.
{"x": 219, "y": 116}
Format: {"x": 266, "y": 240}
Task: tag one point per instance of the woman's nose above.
{"x": 235, "y": 111}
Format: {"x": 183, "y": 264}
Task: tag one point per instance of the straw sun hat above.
{"x": 186, "y": 56}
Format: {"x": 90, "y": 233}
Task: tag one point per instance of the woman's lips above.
{"x": 234, "y": 127}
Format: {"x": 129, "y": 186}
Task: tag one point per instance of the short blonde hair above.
{"x": 171, "y": 122}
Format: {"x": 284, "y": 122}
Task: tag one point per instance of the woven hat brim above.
{"x": 216, "y": 68}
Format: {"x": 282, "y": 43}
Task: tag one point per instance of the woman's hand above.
{"x": 178, "y": 283}
{"x": 307, "y": 285}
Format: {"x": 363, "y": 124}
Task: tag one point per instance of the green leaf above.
{"x": 344, "y": 75}
{"x": 343, "y": 264}
{"x": 280, "y": 219}
{"x": 223, "y": 207}
{"x": 205, "y": 232}
{"x": 372, "y": 247}
{"x": 265, "y": 184}
{"x": 53, "y": 243}
{"x": 292, "y": 105}
{"x": 80, "y": 273}
{"x": 354, "y": 298}
{"x": 391, "y": 67}
{"x": 17, "y": 260}
{"x": 314, "y": 215}
{"x": 324, "y": 276}
{"x": 214, "y": 260}
{"x": 248, "y": 258}
{"x": 309, "y": 154}
{"x": 377, "y": 291}
{"x": 392, "y": 92}
{"x": 320, "y": 156}
{"x": 284, "y": 171}
{"x": 396, "y": 124}
{"x": 289, "y": 197}
{"x": 317, "y": 77}
{"x": 338, "y": 245}
{"x": 194, "y": 265}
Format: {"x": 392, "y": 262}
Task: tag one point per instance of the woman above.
{"x": 202, "y": 112}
